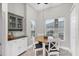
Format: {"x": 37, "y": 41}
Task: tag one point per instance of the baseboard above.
{"x": 30, "y": 46}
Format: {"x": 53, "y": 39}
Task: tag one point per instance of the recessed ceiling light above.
{"x": 38, "y": 3}
{"x": 45, "y": 3}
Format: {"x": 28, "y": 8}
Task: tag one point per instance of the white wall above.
{"x": 40, "y": 23}
{"x": 0, "y": 29}
{"x": 0, "y": 19}
{"x": 66, "y": 41}
{"x": 75, "y": 30}
{"x": 18, "y": 9}
{"x": 4, "y": 29}
{"x": 31, "y": 14}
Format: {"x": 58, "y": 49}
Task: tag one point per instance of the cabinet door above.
{"x": 24, "y": 44}
{"x": 19, "y": 23}
{"x": 20, "y": 48}
{"x": 11, "y": 22}
{"x": 25, "y": 41}
{"x": 9, "y": 49}
{"x": 15, "y": 46}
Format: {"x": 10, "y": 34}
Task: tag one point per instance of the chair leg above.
{"x": 43, "y": 49}
{"x": 48, "y": 54}
{"x": 35, "y": 53}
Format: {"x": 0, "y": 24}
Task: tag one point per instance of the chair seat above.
{"x": 38, "y": 46}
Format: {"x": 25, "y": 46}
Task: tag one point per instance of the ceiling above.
{"x": 43, "y": 6}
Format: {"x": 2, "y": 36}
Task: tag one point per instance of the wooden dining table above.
{"x": 43, "y": 40}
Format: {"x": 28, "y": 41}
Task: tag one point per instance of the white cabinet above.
{"x": 16, "y": 47}
{"x": 9, "y": 48}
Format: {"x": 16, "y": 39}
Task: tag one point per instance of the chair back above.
{"x": 50, "y": 39}
{"x": 33, "y": 40}
{"x": 53, "y": 44}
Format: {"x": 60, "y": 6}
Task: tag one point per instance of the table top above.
{"x": 43, "y": 39}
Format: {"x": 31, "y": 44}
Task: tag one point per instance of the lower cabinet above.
{"x": 16, "y": 47}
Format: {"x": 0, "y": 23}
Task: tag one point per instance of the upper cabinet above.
{"x": 15, "y": 22}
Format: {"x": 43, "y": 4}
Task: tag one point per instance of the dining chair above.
{"x": 37, "y": 46}
{"x": 52, "y": 48}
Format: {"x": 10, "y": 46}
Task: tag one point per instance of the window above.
{"x": 55, "y": 27}
{"x": 32, "y": 28}
{"x": 49, "y": 27}
{"x": 61, "y": 28}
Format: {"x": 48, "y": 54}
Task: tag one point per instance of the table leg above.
{"x": 43, "y": 49}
